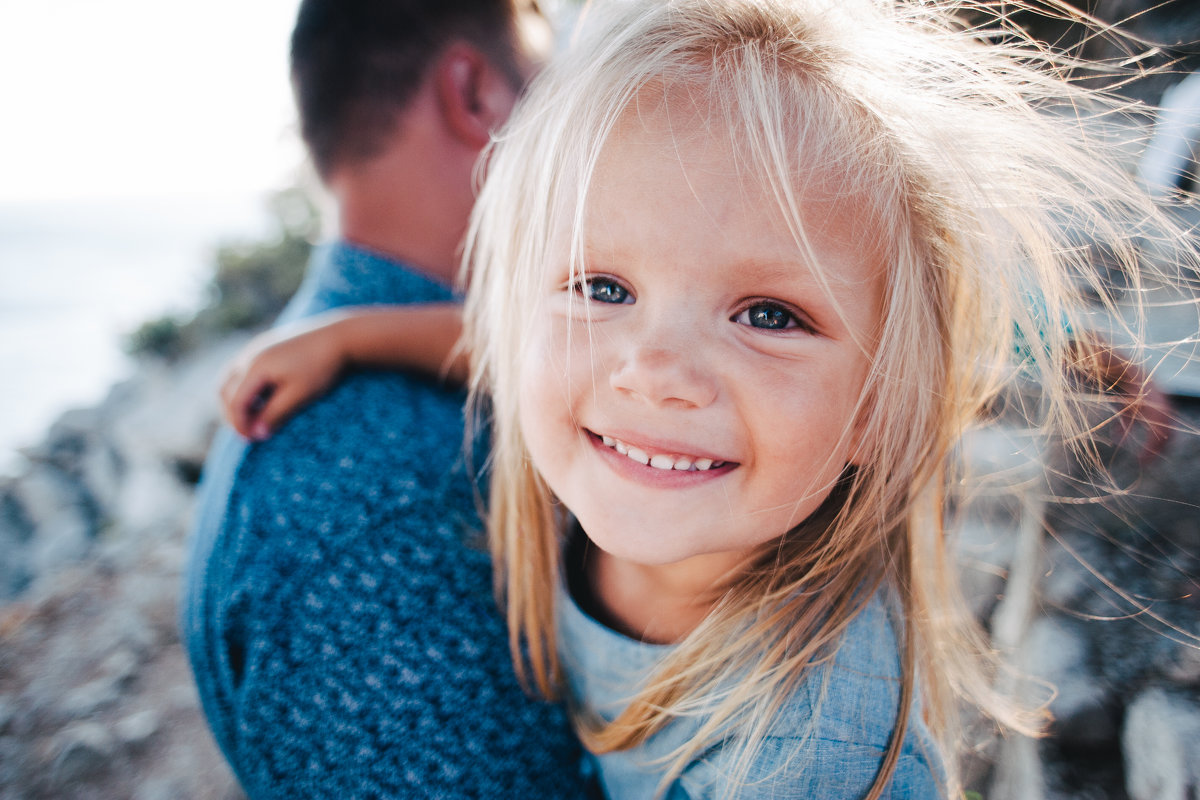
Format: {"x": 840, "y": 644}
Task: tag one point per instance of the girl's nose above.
{"x": 665, "y": 373}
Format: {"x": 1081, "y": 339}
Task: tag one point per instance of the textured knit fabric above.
{"x": 855, "y": 702}
{"x": 338, "y": 610}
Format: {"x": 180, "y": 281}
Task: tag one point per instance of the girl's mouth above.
{"x": 665, "y": 462}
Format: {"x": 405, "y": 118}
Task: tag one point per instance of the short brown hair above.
{"x": 356, "y": 63}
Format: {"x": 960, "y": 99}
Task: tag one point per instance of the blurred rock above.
{"x": 106, "y": 689}
{"x": 7, "y": 712}
{"x": 1018, "y": 773}
{"x": 96, "y": 698}
{"x": 136, "y": 729}
{"x": 1058, "y": 653}
{"x": 1162, "y": 747}
{"x": 64, "y": 516}
{"x": 1183, "y": 669}
{"x": 1115, "y": 629}
{"x": 80, "y": 751}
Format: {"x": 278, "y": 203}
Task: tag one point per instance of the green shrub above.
{"x": 161, "y": 338}
{"x": 251, "y": 283}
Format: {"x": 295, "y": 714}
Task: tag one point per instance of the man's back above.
{"x": 339, "y": 612}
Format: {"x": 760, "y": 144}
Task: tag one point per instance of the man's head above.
{"x": 356, "y": 64}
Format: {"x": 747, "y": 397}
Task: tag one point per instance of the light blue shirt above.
{"x": 854, "y": 702}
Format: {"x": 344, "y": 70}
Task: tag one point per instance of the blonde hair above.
{"x": 969, "y": 179}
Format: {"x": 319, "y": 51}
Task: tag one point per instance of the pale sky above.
{"x": 144, "y": 97}
{"x": 134, "y": 136}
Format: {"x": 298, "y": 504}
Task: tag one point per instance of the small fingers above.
{"x": 228, "y": 397}
{"x": 229, "y": 383}
{"x": 273, "y": 405}
{"x": 244, "y": 407}
{"x": 1156, "y": 414}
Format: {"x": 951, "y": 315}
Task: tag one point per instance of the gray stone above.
{"x": 60, "y": 515}
{"x": 1133, "y": 650}
{"x": 1057, "y": 651}
{"x": 154, "y": 598}
{"x": 161, "y": 789}
{"x": 120, "y": 666}
{"x": 106, "y": 689}
{"x": 8, "y": 710}
{"x": 1018, "y": 774}
{"x": 16, "y": 532}
{"x": 78, "y": 444}
{"x": 1001, "y": 458}
{"x": 131, "y": 629}
{"x": 1184, "y": 668}
{"x": 985, "y": 550}
{"x": 181, "y": 697}
{"x": 1066, "y": 579}
{"x": 15, "y": 523}
{"x": 151, "y": 499}
{"x": 136, "y": 729}
{"x": 12, "y": 755}
{"x": 80, "y": 751}
{"x": 85, "y": 700}
{"x": 102, "y": 470}
{"x": 170, "y": 418}
{"x": 1161, "y": 745}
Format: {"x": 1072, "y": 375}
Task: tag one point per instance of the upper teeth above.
{"x": 683, "y": 463}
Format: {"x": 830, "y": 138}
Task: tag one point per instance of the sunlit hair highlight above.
{"x": 971, "y": 188}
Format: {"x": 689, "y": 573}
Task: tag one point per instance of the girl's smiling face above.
{"x": 695, "y": 396}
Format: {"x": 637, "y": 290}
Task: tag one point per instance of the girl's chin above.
{"x": 678, "y": 557}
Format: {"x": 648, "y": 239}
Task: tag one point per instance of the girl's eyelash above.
{"x": 772, "y": 315}
{"x": 760, "y": 313}
{"x": 601, "y": 289}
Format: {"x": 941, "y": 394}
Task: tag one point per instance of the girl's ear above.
{"x": 475, "y": 97}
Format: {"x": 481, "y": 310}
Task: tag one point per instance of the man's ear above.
{"x": 475, "y": 97}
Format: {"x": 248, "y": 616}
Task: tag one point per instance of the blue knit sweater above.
{"x": 338, "y": 611}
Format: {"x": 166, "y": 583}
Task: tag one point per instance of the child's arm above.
{"x": 282, "y": 369}
{"x": 1140, "y": 398}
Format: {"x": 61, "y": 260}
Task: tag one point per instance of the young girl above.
{"x": 741, "y": 274}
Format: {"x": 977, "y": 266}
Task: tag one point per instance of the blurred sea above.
{"x": 77, "y": 276}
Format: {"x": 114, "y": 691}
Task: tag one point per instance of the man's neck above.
{"x": 412, "y": 200}
{"x": 402, "y": 232}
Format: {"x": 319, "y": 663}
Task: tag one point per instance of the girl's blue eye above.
{"x": 607, "y": 290}
{"x": 767, "y": 316}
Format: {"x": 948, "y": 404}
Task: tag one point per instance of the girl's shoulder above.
{"x": 855, "y": 697}
{"x": 830, "y": 771}
{"x": 828, "y": 739}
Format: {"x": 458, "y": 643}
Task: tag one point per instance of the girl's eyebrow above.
{"x": 795, "y": 274}
{"x": 764, "y": 267}
{"x": 773, "y": 268}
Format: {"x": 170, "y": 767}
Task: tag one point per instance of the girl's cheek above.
{"x": 543, "y": 375}
{"x": 567, "y": 350}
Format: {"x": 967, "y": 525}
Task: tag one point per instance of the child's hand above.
{"x": 1141, "y": 402}
{"x": 283, "y": 369}
{"x": 277, "y": 373}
